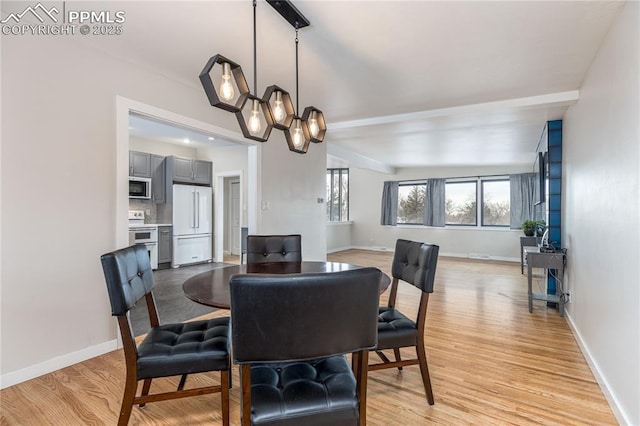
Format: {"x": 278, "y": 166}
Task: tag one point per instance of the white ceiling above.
{"x": 404, "y": 83}
{"x": 144, "y": 127}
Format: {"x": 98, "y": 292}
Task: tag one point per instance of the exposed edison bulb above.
{"x": 278, "y": 107}
{"x": 226, "y": 87}
{"x": 314, "y": 129}
{"x": 254, "y": 118}
{"x": 298, "y": 136}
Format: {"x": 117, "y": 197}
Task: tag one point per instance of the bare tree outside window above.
{"x": 338, "y": 195}
{"x": 496, "y": 200}
{"x": 460, "y": 203}
{"x": 411, "y": 204}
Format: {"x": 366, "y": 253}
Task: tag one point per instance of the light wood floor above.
{"x": 491, "y": 362}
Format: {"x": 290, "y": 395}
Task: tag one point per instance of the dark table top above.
{"x": 211, "y": 288}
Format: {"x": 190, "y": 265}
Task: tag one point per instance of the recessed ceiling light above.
{"x": 211, "y": 138}
{"x": 186, "y": 140}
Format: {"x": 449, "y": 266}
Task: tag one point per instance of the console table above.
{"x": 547, "y": 261}
{"x": 527, "y": 242}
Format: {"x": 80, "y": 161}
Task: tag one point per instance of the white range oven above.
{"x": 139, "y": 233}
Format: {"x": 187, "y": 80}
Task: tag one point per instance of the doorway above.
{"x": 234, "y": 221}
{"x": 125, "y": 107}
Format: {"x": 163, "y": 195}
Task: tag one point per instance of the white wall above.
{"x": 291, "y": 194}
{"x": 58, "y": 177}
{"x": 339, "y": 236}
{"x": 600, "y": 217}
{"x": 58, "y": 140}
{"x": 365, "y": 195}
{"x": 229, "y": 159}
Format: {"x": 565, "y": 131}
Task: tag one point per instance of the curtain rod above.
{"x": 456, "y": 177}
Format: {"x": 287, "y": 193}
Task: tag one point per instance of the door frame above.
{"x": 125, "y": 106}
{"x": 229, "y": 182}
{"x": 220, "y": 209}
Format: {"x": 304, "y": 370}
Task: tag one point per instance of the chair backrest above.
{"x": 128, "y": 275}
{"x": 303, "y": 316}
{"x": 415, "y": 263}
{"x": 274, "y": 248}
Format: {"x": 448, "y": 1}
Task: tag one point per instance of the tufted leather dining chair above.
{"x": 167, "y": 350}
{"x": 274, "y": 248}
{"x": 414, "y": 263}
{"x": 290, "y": 334}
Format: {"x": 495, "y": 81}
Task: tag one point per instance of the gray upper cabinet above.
{"x": 182, "y": 169}
{"x": 139, "y": 164}
{"x": 202, "y": 172}
{"x": 189, "y": 171}
{"x": 158, "y": 178}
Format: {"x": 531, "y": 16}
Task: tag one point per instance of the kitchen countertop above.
{"x": 148, "y": 225}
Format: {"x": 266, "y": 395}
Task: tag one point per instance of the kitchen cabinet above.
{"x": 165, "y": 235}
{"x": 139, "y": 164}
{"x": 189, "y": 171}
{"x": 158, "y": 179}
{"x": 202, "y": 172}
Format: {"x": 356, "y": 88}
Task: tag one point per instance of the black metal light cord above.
{"x": 297, "y": 93}
{"x": 255, "y": 56}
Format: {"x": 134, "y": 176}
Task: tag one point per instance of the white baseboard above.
{"x": 458, "y": 255}
{"x": 56, "y": 363}
{"x": 622, "y": 417}
{"x": 371, "y": 248}
{"x": 335, "y": 250}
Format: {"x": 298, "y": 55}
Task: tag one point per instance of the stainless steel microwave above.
{"x": 139, "y": 188}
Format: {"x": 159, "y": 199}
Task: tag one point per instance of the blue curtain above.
{"x": 434, "y": 203}
{"x": 389, "y": 210}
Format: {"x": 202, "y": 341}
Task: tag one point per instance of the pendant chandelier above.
{"x": 226, "y": 88}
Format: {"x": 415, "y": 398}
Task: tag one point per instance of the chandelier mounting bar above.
{"x": 289, "y": 12}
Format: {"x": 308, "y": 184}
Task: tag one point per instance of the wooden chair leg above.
{"x": 130, "y": 388}
{"x": 424, "y": 370}
{"x": 183, "y": 380}
{"x": 225, "y": 384}
{"x": 145, "y": 389}
{"x": 396, "y": 352}
{"x": 245, "y": 379}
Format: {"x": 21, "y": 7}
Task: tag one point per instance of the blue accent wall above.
{"x": 554, "y": 196}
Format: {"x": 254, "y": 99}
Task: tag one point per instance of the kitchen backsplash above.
{"x": 149, "y": 208}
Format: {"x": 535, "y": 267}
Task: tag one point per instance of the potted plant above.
{"x": 533, "y": 227}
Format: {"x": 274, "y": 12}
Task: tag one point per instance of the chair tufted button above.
{"x": 284, "y": 252}
{"x": 139, "y": 273}
{"x": 264, "y": 254}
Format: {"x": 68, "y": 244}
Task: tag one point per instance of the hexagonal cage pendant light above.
{"x": 226, "y": 87}
{"x": 317, "y": 127}
{"x": 281, "y": 106}
{"x": 298, "y": 135}
{"x": 231, "y": 91}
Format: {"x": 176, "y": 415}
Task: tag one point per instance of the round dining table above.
{"x": 211, "y": 288}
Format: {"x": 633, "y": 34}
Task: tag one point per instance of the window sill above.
{"x": 350, "y": 222}
{"x": 460, "y": 228}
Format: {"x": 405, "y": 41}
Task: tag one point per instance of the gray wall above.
{"x": 601, "y": 190}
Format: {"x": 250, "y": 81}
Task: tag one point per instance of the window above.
{"x": 411, "y": 203}
{"x": 460, "y": 203}
{"x": 338, "y": 195}
{"x": 462, "y": 196}
{"x": 496, "y": 200}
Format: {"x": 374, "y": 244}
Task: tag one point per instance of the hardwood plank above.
{"x": 491, "y": 362}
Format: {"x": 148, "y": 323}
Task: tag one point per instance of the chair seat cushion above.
{"x": 395, "y": 330}
{"x": 286, "y": 393}
{"x": 185, "y": 348}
